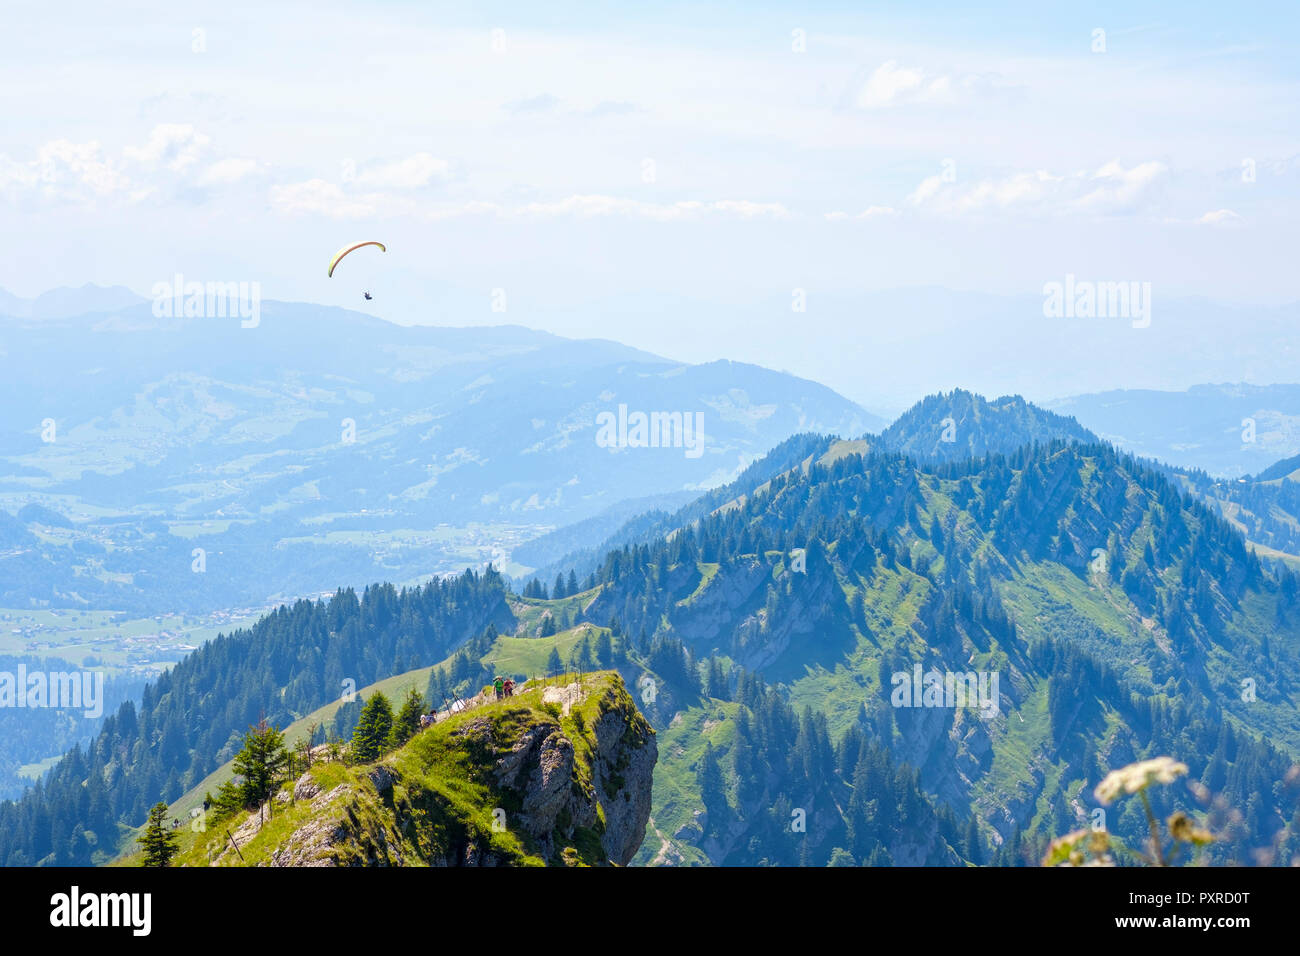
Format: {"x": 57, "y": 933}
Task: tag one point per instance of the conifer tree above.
{"x": 586, "y": 661}
{"x": 407, "y": 722}
{"x": 370, "y": 739}
{"x": 260, "y": 763}
{"x": 605, "y": 649}
{"x": 160, "y": 844}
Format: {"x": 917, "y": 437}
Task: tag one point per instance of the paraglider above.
{"x": 338, "y": 256}
{"x": 368, "y": 296}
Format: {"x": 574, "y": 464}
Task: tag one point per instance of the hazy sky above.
{"x": 659, "y": 175}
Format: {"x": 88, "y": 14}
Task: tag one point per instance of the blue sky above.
{"x": 660, "y": 174}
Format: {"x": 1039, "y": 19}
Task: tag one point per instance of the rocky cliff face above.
{"x": 553, "y": 776}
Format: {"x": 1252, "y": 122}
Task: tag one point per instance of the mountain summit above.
{"x": 67, "y": 302}
{"x": 960, "y": 424}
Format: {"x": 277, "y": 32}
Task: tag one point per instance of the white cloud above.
{"x": 1219, "y": 217}
{"x": 330, "y": 199}
{"x": 748, "y": 210}
{"x": 887, "y": 84}
{"x": 226, "y": 171}
{"x": 410, "y": 173}
{"x": 1110, "y": 189}
{"x": 893, "y": 85}
{"x": 926, "y": 189}
{"x": 871, "y": 212}
{"x": 63, "y": 170}
{"x": 584, "y": 206}
{"x": 542, "y": 103}
{"x": 1117, "y": 187}
{"x": 322, "y": 198}
{"x": 174, "y": 145}
{"x": 1020, "y": 189}
{"x": 587, "y": 206}
{"x": 457, "y": 210}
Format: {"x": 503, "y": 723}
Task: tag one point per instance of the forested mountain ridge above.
{"x": 656, "y": 523}
{"x": 1286, "y": 468}
{"x": 1265, "y": 509}
{"x": 1123, "y": 617}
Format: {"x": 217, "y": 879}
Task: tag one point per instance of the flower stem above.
{"x": 1155, "y": 830}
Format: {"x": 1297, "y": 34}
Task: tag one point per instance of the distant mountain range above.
{"x": 884, "y": 349}
{"x": 67, "y": 303}
{"x": 324, "y": 447}
{"x": 1228, "y": 431}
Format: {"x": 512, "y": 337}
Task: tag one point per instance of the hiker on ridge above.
{"x": 499, "y": 686}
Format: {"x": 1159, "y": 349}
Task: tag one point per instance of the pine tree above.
{"x": 841, "y": 857}
{"x": 586, "y": 662}
{"x": 229, "y": 799}
{"x": 160, "y": 844}
{"x": 605, "y": 649}
{"x": 370, "y": 739}
{"x": 858, "y": 610}
{"x": 439, "y": 688}
{"x": 407, "y": 722}
{"x": 974, "y": 850}
{"x": 553, "y": 663}
{"x": 346, "y": 717}
{"x": 260, "y": 763}
{"x": 713, "y": 788}
{"x": 715, "y": 679}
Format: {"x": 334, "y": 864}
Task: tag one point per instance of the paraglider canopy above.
{"x": 338, "y": 256}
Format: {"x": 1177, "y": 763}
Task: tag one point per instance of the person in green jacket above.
{"x": 499, "y": 686}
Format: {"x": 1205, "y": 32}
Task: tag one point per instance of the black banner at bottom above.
{"x": 338, "y": 906}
